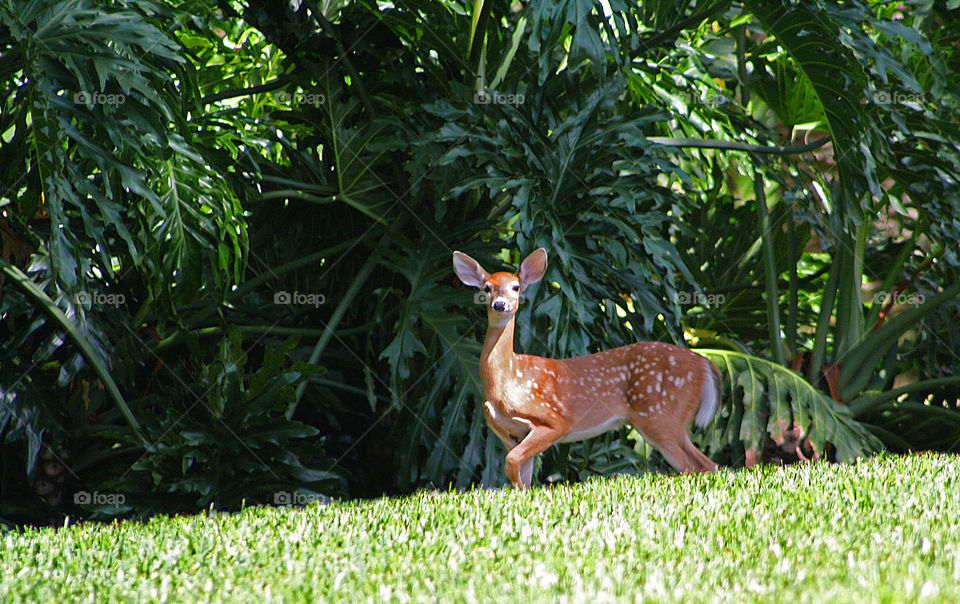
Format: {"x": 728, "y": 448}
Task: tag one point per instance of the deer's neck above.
{"x": 497, "y": 360}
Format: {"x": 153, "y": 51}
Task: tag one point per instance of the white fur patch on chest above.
{"x": 517, "y": 391}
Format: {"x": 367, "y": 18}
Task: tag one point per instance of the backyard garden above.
{"x": 236, "y": 363}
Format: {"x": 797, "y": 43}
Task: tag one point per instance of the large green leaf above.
{"x": 88, "y": 350}
{"x": 763, "y": 398}
{"x": 820, "y": 47}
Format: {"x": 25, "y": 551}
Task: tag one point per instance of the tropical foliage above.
{"x": 227, "y": 231}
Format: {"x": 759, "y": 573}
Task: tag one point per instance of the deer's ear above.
{"x": 532, "y": 268}
{"x": 469, "y": 270}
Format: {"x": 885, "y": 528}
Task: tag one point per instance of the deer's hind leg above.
{"x": 670, "y": 436}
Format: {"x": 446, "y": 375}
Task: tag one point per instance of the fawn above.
{"x": 533, "y": 402}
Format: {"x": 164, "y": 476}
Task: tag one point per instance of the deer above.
{"x": 532, "y": 402}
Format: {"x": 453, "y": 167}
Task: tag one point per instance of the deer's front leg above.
{"x": 526, "y": 471}
{"x": 490, "y": 414}
{"x": 519, "y": 465}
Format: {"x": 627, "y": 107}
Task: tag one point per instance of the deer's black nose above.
{"x": 499, "y": 305}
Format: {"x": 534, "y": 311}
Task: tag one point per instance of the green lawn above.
{"x": 885, "y": 530}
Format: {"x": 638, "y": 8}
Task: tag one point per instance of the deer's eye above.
{"x": 516, "y": 288}
{"x": 486, "y": 288}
